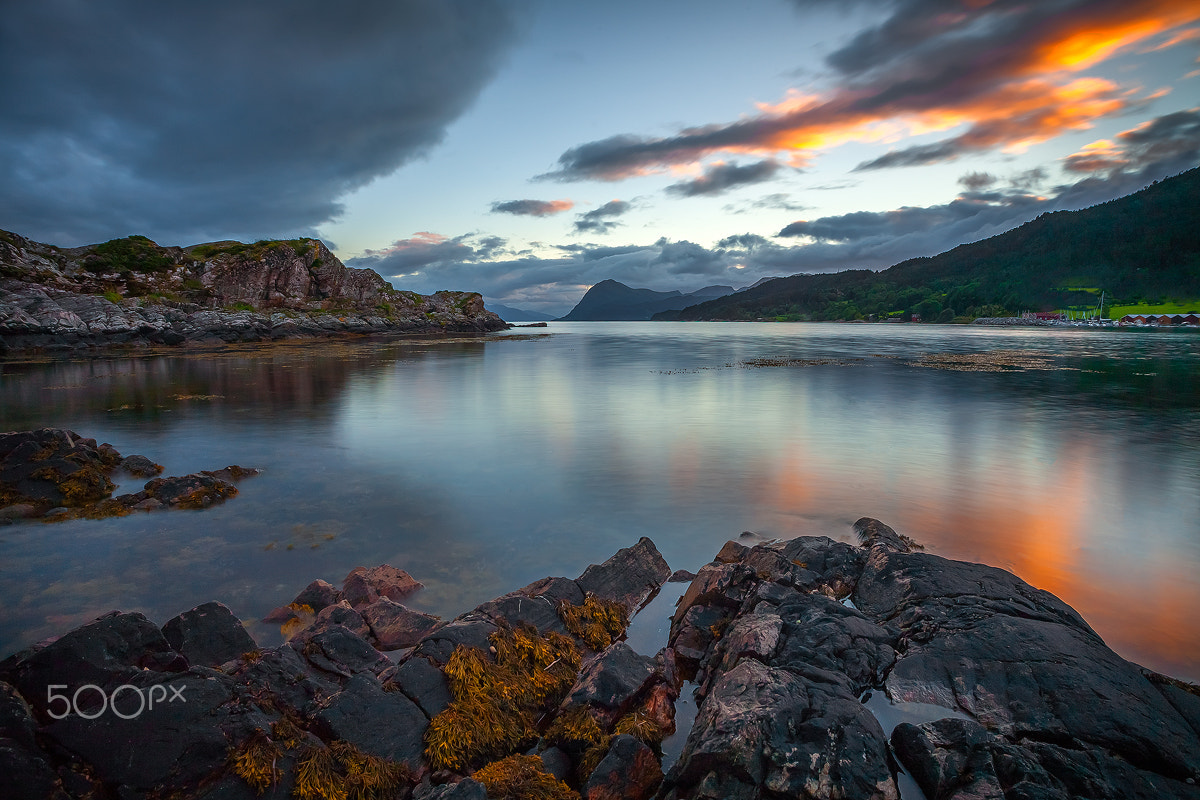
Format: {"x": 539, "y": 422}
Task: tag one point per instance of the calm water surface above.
{"x": 481, "y": 465}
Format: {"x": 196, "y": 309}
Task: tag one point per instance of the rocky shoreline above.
{"x": 535, "y": 695}
{"x": 134, "y": 293}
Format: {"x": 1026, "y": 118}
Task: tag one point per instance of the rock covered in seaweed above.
{"x": 57, "y": 470}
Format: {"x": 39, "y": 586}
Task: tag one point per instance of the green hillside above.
{"x": 1140, "y": 249}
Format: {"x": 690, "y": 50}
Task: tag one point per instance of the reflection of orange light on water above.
{"x": 791, "y": 487}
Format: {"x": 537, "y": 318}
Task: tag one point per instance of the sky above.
{"x": 528, "y": 149}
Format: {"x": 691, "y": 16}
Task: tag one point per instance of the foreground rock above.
{"x": 56, "y": 474}
{"x": 134, "y": 292}
{"x": 367, "y": 604}
{"x": 783, "y": 639}
{"x": 534, "y": 694}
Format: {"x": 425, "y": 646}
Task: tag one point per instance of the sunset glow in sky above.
{"x": 528, "y": 150}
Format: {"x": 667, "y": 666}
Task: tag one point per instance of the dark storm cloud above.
{"x": 688, "y": 258}
{"x": 968, "y": 215}
{"x": 421, "y": 250}
{"x": 224, "y": 119}
{"x": 1167, "y": 144}
{"x": 974, "y": 181}
{"x": 743, "y": 241}
{"x": 533, "y": 208}
{"x": 720, "y": 178}
{"x": 997, "y": 67}
{"x": 602, "y": 219}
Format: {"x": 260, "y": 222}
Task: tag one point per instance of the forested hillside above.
{"x": 1142, "y": 248}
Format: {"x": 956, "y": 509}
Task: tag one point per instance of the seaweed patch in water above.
{"x": 993, "y": 361}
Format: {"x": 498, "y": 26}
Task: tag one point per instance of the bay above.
{"x": 1069, "y": 456}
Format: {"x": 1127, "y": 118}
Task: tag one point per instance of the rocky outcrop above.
{"x": 325, "y": 714}
{"x": 522, "y": 697}
{"x": 56, "y": 474}
{"x": 784, "y": 638}
{"x": 134, "y": 292}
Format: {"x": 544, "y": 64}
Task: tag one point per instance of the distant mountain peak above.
{"x": 612, "y": 300}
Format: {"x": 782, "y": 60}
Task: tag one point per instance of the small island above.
{"x": 134, "y": 292}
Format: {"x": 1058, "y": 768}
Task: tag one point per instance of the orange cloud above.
{"x": 1186, "y": 35}
{"x": 1009, "y": 91}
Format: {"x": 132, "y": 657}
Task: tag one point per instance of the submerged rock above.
{"x": 57, "y": 475}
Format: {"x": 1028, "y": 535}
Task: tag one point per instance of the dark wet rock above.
{"x": 1020, "y": 661}
{"x": 18, "y": 511}
{"x": 358, "y": 591}
{"x": 231, "y": 474}
{"x": 385, "y": 724}
{"x": 393, "y": 626}
{"x": 338, "y": 614}
{"x": 613, "y": 679}
{"x": 16, "y": 718}
{"x": 190, "y": 491}
{"x": 340, "y": 651}
{"x": 948, "y": 758}
{"x": 822, "y": 633}
{"x": 209, "y": 634}
{"x": 695, "y": 633}
{"x": 955, "y": 758}
{"x": 317, "y": 595}
{"x": 629, "y": 577}
{"x": 57, "y": 474}
{"x": 140, "y": 466}
{"x": 53, "y": 467}
{"x": 466, "y": 789}
{"x": 176, "y": 742}
{"x": 681, "y": 576}
{"x": 557, "y": 763}
{"x": 26, "y": 774}
{"x": 540, "y": 610}
{"x": 629, "y": 771}
{"x": 421, "y": 682}
{"x": 873, "y": 533}
{"x": 106, "y": 653}
{"x": 731, "y": 553}
{"x": 1055, "y": 713}
{"x": 765, "y": 730}
{"x": 364, "y": 586}
{"x": 470, "y": 630}
{"x": 283, "y": 676}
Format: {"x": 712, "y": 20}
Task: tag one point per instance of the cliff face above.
{"x": 133, "y": 289}
{"x": 297, "y": 274}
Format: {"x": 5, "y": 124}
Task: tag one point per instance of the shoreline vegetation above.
{"x": 785, "y": 646}
{"x": 133, "y": 292}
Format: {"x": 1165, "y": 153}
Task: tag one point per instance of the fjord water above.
{"x": 482, "y": 464}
